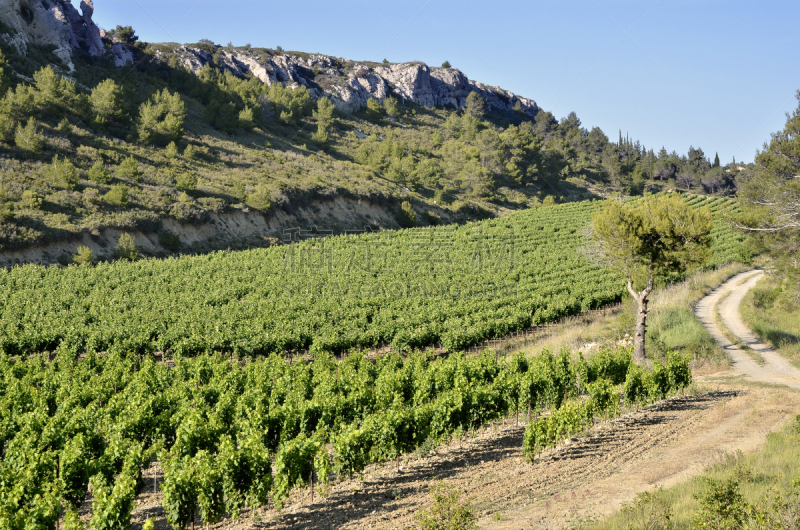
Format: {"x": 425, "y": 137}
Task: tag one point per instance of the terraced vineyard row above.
{"x": 410, "y": 288}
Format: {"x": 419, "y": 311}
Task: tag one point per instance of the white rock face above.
{"x": 350, "y": 85}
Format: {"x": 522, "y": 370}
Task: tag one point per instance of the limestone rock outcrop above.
{"x": 59, "y": 24}
{"x": 351, "y": 84}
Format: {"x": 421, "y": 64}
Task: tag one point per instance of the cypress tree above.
{"x": 716, "y": 160}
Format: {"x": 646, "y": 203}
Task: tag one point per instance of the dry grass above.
{"x": 776, "y": 321}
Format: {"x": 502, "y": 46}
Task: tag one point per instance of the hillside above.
{"x": 186, "y": 144}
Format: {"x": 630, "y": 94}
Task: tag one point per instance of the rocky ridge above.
{"x": 350, "y": 84}
{"x": 57, "y": 23}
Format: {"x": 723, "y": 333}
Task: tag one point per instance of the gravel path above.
{"x": 727, "y": 298}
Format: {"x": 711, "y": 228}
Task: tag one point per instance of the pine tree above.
{"x": 716, "y": 160}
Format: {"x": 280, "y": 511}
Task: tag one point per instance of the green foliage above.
{"x": 99, "y": 174}
{"x": 112, "y": 504}
{"x": 62, "y": 174}
{"x": 30, "y": 199}
{"x": 770, "y": 195}
{"x": 128, "y": 169}
{"x": 324, "y": 118}
{"x": 658, "y": 236}
{"x": 108, "y": 102}
{"x": 391, "y": 107}
{"x": 126, "y": 248}
{"x": 171, "y": 151}
{"x": 118, "y": 196}
{"x": 406, "y": 216}
{"x": 648, "y": 511}
{"x": 28, "y": 139}
{"x": 247, "y": 119}
{"x": 448, "y": 511}
{"x": 290, "y": 104}
{"x": 169, "y": 240}
{"x": 124, "y": 34}
{"x": 56, "y": 95}
{"x": 374, "y": 110}
{"x": 260, "y": 198}
{"x": 723, "y": 506}
{"x": 475, "y": 107}
{"x": 161, "y": 119}
{"x": 85, "y": 256}
{"x": 446, "y": 64}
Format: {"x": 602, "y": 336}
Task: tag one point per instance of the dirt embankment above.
{"x": 238, "y": 229}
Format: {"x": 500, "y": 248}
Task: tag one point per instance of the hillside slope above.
{"x": 101, "y": 134}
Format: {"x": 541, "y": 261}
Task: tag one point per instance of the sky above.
{"x": 714, "y": 74}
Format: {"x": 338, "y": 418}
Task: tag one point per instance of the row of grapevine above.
{"x": 455, "y": 286}
{"x": 231, "y": 435}
{"x": 607, "y": 400}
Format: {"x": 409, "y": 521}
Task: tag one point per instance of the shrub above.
{"x": 391, "y": 107}
{"x": 374, "y": 110}
{"x": 649, "y": 510}
{"x": 169, "y": 240}
{"x": 172, "y": 150}
{"x": 190, "y": 153}
{"x": 447, "y": 512}
{"x": 260, "y": 199}
{"x": 108, "y": 102}
{"x": 118, "y": 196}
{"x": 129, "y": 169}
{"x": 446, "y": 64}
{"x": 99, "y": 174}
{"x": 722, "y": 506}
{"x": 247, "y": 119}
{"x": 290, "y": 105}
{"x": 28, "y": 138}
{"x": 62, "y": 174}
{"x": 126, "y": 248}
{"x": 186, "y": 182}
{"x": 85, "y": 256}
{"x": 161, "y": 119}
{"x": 406, "y": 216}
{"x": 31, "y": 200}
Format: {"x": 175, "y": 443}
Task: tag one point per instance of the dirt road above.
{"x": 726, "y": 299}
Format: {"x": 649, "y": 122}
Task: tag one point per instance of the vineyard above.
{"x": 235, "y": 424}
{"x": 411, "y": 288}
{"x": 231, "y": 436}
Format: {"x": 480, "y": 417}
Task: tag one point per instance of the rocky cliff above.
{"x": 56, "y": 23}
{"x": 350, "y": 84}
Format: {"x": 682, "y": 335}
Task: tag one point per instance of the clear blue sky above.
{"x": 710, "y": 73}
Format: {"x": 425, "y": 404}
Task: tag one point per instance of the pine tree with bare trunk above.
{"x": 657, "y": 237}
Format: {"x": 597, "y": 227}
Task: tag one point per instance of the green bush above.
{"x": 126, "y": 248}
{"x": 171, "y": 151}
{"x": 85, "y": 256}
{"x": 169, "y": 240}
{"x": 108, "y": 102}
{"x": 30, "y": 199}
{"x": 129, "y": 169}
{"x": 406, "y": 216}
{"x": 161, "y": 119}
{"x": 62, "y": 174}
{"x": 722, "y": 506}
{"x": 117, "y": 196}
{"x": 448, "y": 511}
{"x": 260, "y": 199}
{"x": 99, "y": 174}
{"x": 290, "y": 104}
{"x": 28, "y": 139}
{"x": 374, "y": 110}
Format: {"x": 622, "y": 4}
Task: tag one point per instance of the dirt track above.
{"x": 662, "y": 445}
{"x": 728, "y": 297}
